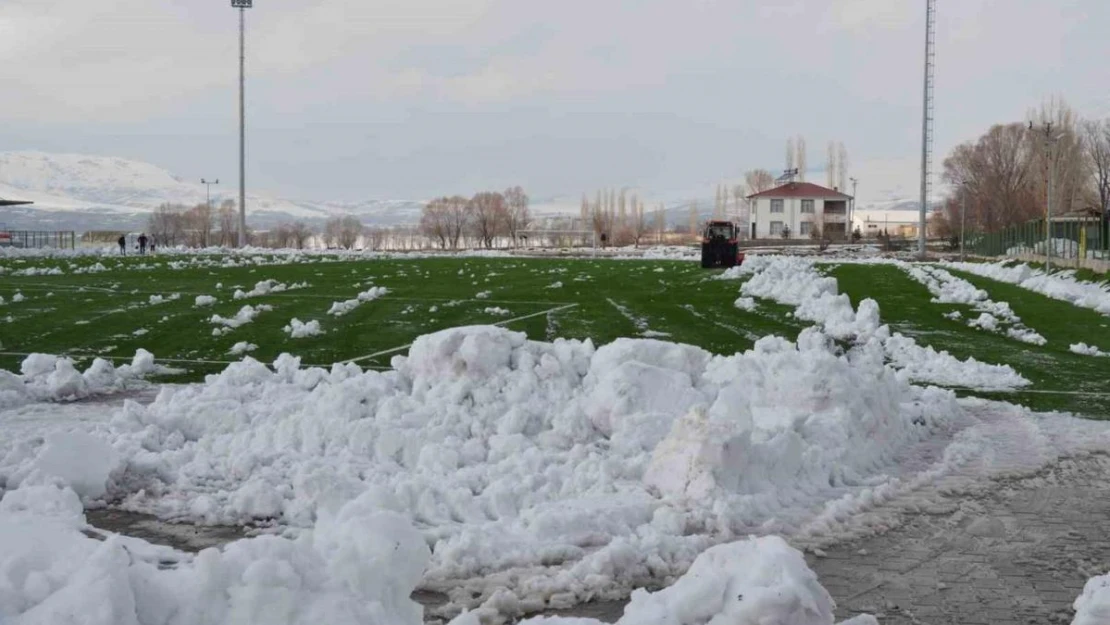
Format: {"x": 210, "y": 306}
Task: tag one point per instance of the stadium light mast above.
{"x": 852, "y": 211}
{"x": 242, "y": 5}
{"x": 927, "y": 118}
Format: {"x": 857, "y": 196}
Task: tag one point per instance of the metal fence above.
{"x": 1075, "y": 240}
{"x": 38, "y": 239}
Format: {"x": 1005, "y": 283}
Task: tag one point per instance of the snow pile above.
{"x": 948, "y": 289}
{"x": 245, "y": 315}
{"x": 204, "y": 300}
{"x": 358, "y": 566}
{"x": 341, "y": 308}
{"x": 18, "y": 297}
{"x": 512, "y": 453}
{"x": 161, "y": 299}
{"x": 497, "y": 310}
{"x": 483, "y": 295}
{"x": 745, "y": 303}
{"x": 796, "y": 281}
{"x": 554, "y": 285}
{"x": 267, "y": 287}
{"x": 1093, "y": 606}
{"x": 2, "y": 300}
{"x": 44, "y": 377}
{"x": 299, "y": 330}
{"x": 1088, "y": 350}
{"x": 1062, "y": 285}
{"x": 242, "y": 347}
{"x": 751, "y": 582}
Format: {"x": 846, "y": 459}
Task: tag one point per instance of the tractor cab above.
{"x": 720, "y": 245}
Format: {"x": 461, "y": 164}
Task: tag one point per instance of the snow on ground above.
{"x": 267, "y": 287}
{"x": 1093, "y": 606}
{"x": 246, "y": 315}
{"x": 204, "y": 300}
{"x": 497, "y": 310}
{"x": 298, "y": 329}
{"x": 642, "y": 327}
{"x": 242, "y": 347}
{"x": 1060, "y": 285}
{"x": 46, "y": 378}
{"x": 1088, "y": 350}
{"x": 341, "y": 308}
{"x": 948, "y": 289}
{"x": 796, "y": 281}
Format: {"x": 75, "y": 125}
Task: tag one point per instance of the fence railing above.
{"x": 1072, "y": 242}
{"x": 38, "y": 239}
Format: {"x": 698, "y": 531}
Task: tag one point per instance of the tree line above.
{"x": 484, "y": 219}
{"x": 172, "y": 225}
{"x": 1002, "y": 178}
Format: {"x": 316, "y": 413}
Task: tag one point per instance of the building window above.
{"x": 776, "y": 226}
{"x": 776, "y": 206}
{"x": 807, "y": 207}
{"x": 806, "y": 227}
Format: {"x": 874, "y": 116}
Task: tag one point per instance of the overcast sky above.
{"x": 356, "y": 99}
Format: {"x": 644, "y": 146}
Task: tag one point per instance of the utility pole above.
{"x": 1050, "y": 139}
{"x": 927, "y": 117}
{"x": 242, "y": 5}
{"x": 208, "y": 194}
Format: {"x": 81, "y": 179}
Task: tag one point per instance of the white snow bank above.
{"x": 1088, "y": 350}
{"x": 341, "y": 308}
{"x": 949, "y": 289}
{"x": 44, "y": 377}
{"x": 267, "y": 287}
{"x": 359, "y": 565}
{"x": 1061, "y": 285}
{"x": 298, "y": 329}
{"x": 497, "y": 310}
{"x": 245, "y": 315}
{"x": 796, "y": 281}
{"x": 204, "y": 300}
{"x": 242, "y": 347}
{"x": 161, "y": 299}
{"x": 1093, "y": 606}
{"x": 745, "y": 303}
{"x": 759, "y": 581}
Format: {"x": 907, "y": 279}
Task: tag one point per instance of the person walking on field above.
{"x": 142, "y": 243}
{"x": 122, "y": 244}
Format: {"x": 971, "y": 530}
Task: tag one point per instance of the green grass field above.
{"x": 109, "y": 313}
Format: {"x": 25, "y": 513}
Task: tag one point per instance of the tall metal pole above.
{"x": 1048, "y": 208}
{"x": 852, "y": 212}
{"x": 208, "y": 195}
{"x": 242, "y": 129}
{"x": 927, "y": 119}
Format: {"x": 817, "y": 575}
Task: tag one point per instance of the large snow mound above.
{"x": 1093, "y": 606}
{"x": 359, "y": 565}
{"x": 1061, "y": 285}
{"x": 44, "y": 377}
{"x": 797, "y": 281}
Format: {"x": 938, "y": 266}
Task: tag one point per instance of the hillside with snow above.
{"x": 88, "y": 192}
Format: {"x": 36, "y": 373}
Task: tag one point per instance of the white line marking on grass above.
{"x": 176, "y": 360}
{"x": 499, "y": 323}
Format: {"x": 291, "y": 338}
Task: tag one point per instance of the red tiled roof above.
{"x": 802, "y": 189}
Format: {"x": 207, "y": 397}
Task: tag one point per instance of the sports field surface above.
{"x": 87, "y": 307}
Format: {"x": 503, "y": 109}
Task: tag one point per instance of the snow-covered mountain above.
{"x": 87, "y": 192}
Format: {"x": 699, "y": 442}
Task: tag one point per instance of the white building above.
{"x": 801, "y": 207}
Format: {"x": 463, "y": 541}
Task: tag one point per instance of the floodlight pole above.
{"x": 242, "y": 5}
{"x": 1050, "y": 145}
{"x": 963, "y": 222}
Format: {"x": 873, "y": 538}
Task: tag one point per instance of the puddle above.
{"x": 191, "y": 538}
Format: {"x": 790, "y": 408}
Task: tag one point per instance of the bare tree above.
{"x": 516, "y": 206}
{"x": 639, "y": 223}
{"x": 299, "y": 234}
{"x": 758, "y": 181}
{"x": 660, "y": 223}
{"x": 434, "y": 221}
{"x": 489, "y": 216}
{"x": 347, "y": 231}
{"x": 229, "y": 223}
{"x": 166, "y": 224}
{"x": 1096, "y": 143}
{"x": 458, "y": 219}
{"x": 998, "y": 172}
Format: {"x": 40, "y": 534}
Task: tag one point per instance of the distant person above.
{"x": 142, "y": 243}
{"x": 122, "y": 245}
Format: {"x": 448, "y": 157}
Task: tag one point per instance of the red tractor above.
{"x": 720, "y": 246}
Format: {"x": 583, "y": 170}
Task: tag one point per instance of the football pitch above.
{"x": 86, "y": 307}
